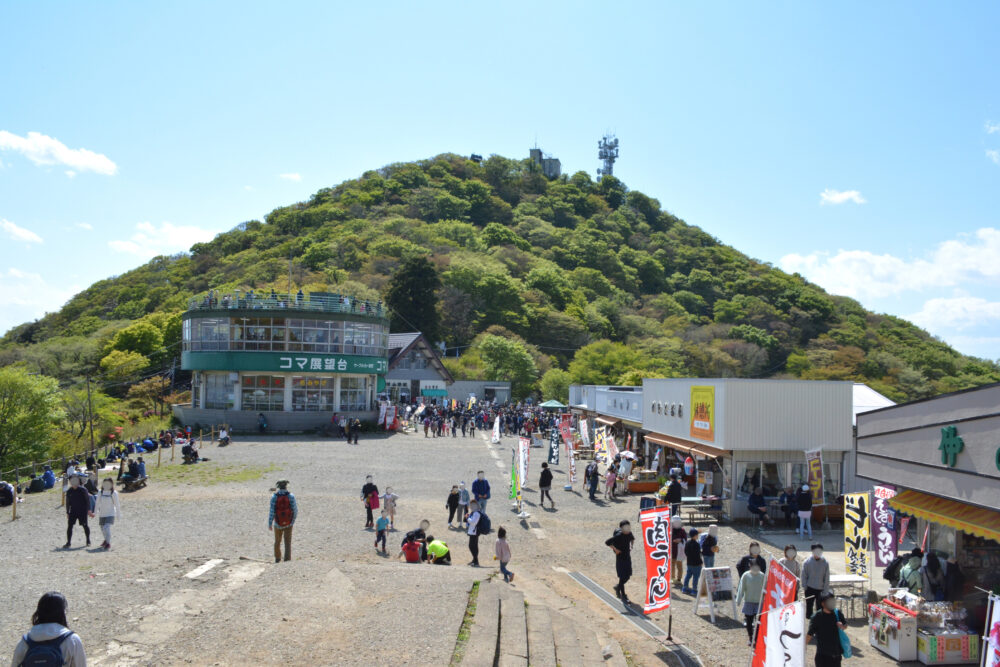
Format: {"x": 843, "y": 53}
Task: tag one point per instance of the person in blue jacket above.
{"x": 49, "y": 477}
{"x": 757, "y": 504}
{"x": 481, "y": 490}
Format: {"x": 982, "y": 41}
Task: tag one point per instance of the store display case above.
{"x": 892, "y": 629}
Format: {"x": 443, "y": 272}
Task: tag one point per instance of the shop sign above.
{"x": 703, "y": 413}
{"x": 857, "y": 532}
{"x": 814, "y": 470}
{"x": 951, "y": 446}
{"x": 883, "y": 528}
{"x": 276, "y": 361}
{"x": 655, "y": 524}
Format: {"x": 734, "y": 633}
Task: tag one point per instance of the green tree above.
{"x": 411, "y": 297}
{"x": 555, "y": 385}
{"x": 602, "y": 362}
{"x": 121, "y": 366}
{"x": 505, "y": 359}
{"x": 142, "y": 337}
{"x": 29, "y": 408}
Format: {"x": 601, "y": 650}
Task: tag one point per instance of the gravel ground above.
{"x": 337, "y": 602}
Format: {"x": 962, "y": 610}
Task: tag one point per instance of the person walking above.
{"x": 381, "y": 529}
{"x": 692, "y": 554}
{"x": 750, "y": 593}
{"x": 815, "y": 578}
{"x": 621, "y": 543}
{"x": 389, "y": 502}
{"x": 451, "y": 504}
{"x": 107, "y": 508}
{"x": 472, "y": 532}
{"x": 545, "y": 485}
{"x": 710, "y": 545}
{"x": 677, "y": 537}
{"x": 369, "y": 496}
{"x": 752, "y": 556}
{"x": 804, "y": 504}
{"x": 481, "y": 490}
{"x": 77, "y": 509}
{"x": 50, "y": 641}
{"x": 674, "y": 496}
{"x": 281, "y": 518}
{"x": 501, "y": 552}
{"x": 463, "y": 503}
{"x": 590, "y": 474}
{"x": 825, "y": 627}
{"x": 791, "y": 563}
{"x": 609, "y": 482}
{"x": 356, "y": 429}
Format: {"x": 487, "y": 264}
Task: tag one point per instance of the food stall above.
{"x": 907, "y": 627}
{"x": 643, "y": 481}
{"x": 892, "y": 629}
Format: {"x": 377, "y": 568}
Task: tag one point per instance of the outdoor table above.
{"x": 850, "y": 582}
{"x": 697, "y": 500}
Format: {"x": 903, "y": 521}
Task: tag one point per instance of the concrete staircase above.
{"x": 508, "y": 633}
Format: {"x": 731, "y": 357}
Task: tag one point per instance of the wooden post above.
{"x": 173, "y": 447}
{"x": 211, "y": 435}
{"x": 200, "y": 435}
{"x": 159, "y": 450}
{"x": 17, "y": 482}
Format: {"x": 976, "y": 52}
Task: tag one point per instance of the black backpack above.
{"x": 483, "y": 527}
{"x": 44, "y": 654}
{"x": 892, "y": 570}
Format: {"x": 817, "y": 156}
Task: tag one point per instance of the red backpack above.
{"x": 283, "y": 510}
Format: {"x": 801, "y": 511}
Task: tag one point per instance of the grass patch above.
{"x": 208, "y": 473}
{"x": 466, "y": 627}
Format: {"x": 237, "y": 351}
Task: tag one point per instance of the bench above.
{"x": 133, "y": 484}
{"x": 704, "y": 513}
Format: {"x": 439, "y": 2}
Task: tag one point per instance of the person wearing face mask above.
{"x": 677, "y": 537}
{"x": 621, "y": 543}
{"x": 77, "y": 509}
{"x": 389, "y": 502}
{"x": 710, "y": 545}
{"x": 481, "y": 490}
{"x": 369, "y": 496}
{"x": 750, "y": 593}
{"x": 791, "y": 563}
{"x": 825, "y": 626}
{"x": 804, "y": 502}
{"x": 107, "y": 508}
{"x": 753, "y": 556}
{"x": 910, "y": 577}
{"x": 815, "y": 577}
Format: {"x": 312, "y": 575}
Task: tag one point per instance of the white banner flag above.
{"x": 786, "y": 636}
{"x": 381, "y": 412}
{"x": 496, "y": 430}
{"x": 584, "y": 434}
{"x": 991, "y": 657}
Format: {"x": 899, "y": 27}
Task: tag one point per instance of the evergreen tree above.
{"x": 412, "y": 298}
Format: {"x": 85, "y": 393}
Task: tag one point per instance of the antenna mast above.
{"x": 607, "y": 152}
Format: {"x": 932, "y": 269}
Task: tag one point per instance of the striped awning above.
{"x": 696, "y": 449}
{"x": 960, "y": 516}
{"x": 607, "y": 421}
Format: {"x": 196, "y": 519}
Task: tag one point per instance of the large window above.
{"x": 765, "y": 475}
{"x": 278, "y": 334}
{"x": 312, "y": 394}
{"x": 217, "y": 390}
{"x": 353, "y": 393}
{"x": 831, "y": 479}
{"x": 263, "y": 392}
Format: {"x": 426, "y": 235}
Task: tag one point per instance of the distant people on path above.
{"x": 749, "y": 594}
{"x": 804, "y": 505}
{"x": 694, "y": 561}
{"x": 752, "y": 556}
{"x": 825, "y": 626}
{"x": 389, "y": 502}
{"x": 381, "y": 530}
{"x": 50, "y": 641}
{"x": 757, "y": 505}
{"x": 815, "y": 578}
{"x": 369, "y": 497}
{"x": 107, "y": 508}
{"x": 710, "y": 545}
{"x": 481, "y": 490}
{"x": 501, "y": 552}
{"x": 472, "y": 532}
{"x": 281, "y": 519}
{"x": 791, "y": 563}
{"x": 621, "y": 543}
{"x": 544, "y": 486}
{"x": 77, "y": 509}
{"x": 438, "y": 552}
{"x": 451, "y": 504}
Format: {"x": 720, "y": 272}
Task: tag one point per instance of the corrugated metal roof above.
{"x": 402, "y": 340}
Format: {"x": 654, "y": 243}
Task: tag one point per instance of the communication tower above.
{"x": 607, "y": 151}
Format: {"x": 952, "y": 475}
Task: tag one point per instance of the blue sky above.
{"x": 856, "y": 143}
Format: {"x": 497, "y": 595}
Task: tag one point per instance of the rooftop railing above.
{"x": 324, "y": 302}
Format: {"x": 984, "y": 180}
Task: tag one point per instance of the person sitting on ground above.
{"x": 437, "y": 552}
{"x": 757, "y": 505}
{"x": 7, "y": 494}
{"x": 49, "y": 477}
{"x": 50, "y": 637}
{"x": 36, "y": 485}
{"x": 418, "y": 535}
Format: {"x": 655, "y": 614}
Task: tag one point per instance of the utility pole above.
{"x": 289, "y": 276}
{"x": 90, "y": 416}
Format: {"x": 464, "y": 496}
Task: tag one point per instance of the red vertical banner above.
{"x": 565, "y": 432}
{"x": 779, "y": 590}
{"x": 655, "y": 525}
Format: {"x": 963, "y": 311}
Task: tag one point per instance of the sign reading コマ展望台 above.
{"x": 278, "y": 361}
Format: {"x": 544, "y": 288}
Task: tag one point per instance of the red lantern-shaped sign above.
{"x": 688, "y": 466}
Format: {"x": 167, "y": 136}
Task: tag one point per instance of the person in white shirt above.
{"x": 107, "y": 508}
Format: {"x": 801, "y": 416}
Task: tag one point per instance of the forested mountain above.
{"x": 539, "y": 280}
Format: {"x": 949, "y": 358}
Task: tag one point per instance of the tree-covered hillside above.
{"x": 596, "y": 283}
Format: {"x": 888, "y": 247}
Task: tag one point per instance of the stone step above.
{"x": 541, "y": 647}
{"x": 577, "y": 644}
{"x": 481, "y": 649}
{"x": 513, "y": 628}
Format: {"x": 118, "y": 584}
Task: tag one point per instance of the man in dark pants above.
{"x": 824, "y": 626}
{"x": 473, "y": 532}
{"x": 366, "y": 497}
{"x": 674, "y": 495}
{"x": 815, "y": 577}
{"x": 621, "y": 543}
{"x": 77, "y": 509}
{"x": 591, "y": 477}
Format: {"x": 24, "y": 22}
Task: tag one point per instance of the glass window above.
{"x": 765, "y": 475}
{"x": 295, "y": 335}
{"x": 352, "y": 393}
{"x": 186, "y": 333}
{"x": 217, "y": 389}
{"x": 831, "y": 480}
{"x": 336, "y": 337}
{"x": 263, "y": 392}
{"x": 312, "y": 394}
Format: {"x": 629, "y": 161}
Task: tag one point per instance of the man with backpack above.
{"x": 479, "y": 524}
{"x": 282, "y": 518}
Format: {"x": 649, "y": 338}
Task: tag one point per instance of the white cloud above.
{"x": 26, "y": 296}
{"x": 19, "y": 233}
{"x": 44, "y": 150}
{"x": 291, "y": 177}
{"x": 85, "y": 225}
{"x": 247, "y": 188}
{"x": 150, "y": 240}
{"x": 860, "y": 273}
{"x": 957, "y": 313}
{"x": 70, "y": 173}
{"x": 829, "y": 196}
{"x": 993, "y": 155}
{"x": 992, "y": 128}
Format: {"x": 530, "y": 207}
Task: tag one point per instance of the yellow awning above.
{"x": 966, "y": 518}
